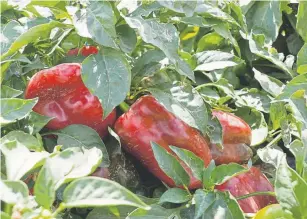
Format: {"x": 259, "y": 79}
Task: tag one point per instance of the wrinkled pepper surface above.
{"x": 236, "y": 139}
{"x": 147, "y": 120}
{"x": 63, "y": 96}
{"x": 246, "y": 183}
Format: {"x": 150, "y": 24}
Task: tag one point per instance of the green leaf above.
{"x": 184, "y": 102}
{"x": 31, "y": 35}
{"x": 175, "y": 195}
{"x": 289, "y": 188}
{"x": 69, "y": 164}
{"x": 224, "y": 172}
{"x": 34, "y": 122}
{"x": 297, "y": 83}
{"x": 127, "y": 38}
{"x": 180, "y": 6}
{"x": 8, "y": 92}
{"x": 214, "y": 60}
{"x": 256, "y": 99}
{"x": 156, "y": 212}
{"x": 224, "y": 204}
{"x": 301, "y": 60}
{"x": 209, "y": 11}
{"x": 207, "y": 182}
{"x": 215, "y": 131}
{"x": 13, "y": 192}
{"x": 19, "y": 160}
{"x": 170, "y": 165}
{"x": 82, "y": 136}
{"x": 146, "y": 61}
{"x": 256, "y": 44}
{"x": 96, "y": 192}
{"x": 271, "y": 154}
{"x": 191, "y": 160}
{"x": 277, "y": 113}
{"x": 301, "y": 19}
{"x": 4, "y": 215}
{"x": 300, "y": 152}
{"x": 298, "y": 103}
{"x": 97, "y": 22}
{"x": 9, "y": 33}
{"x": 108, "y": 77}
{"x": 163, "y": 36}
{"x": 265, "y": 17}
{"x": 256, "y": 121}
{"x": 13, "y": 109}
{"x": 271, "y": 85}
{"x": 210, "y": 41}
{"x": 113, "y": 212}
{"x": 23, "y": 138}
{"x": 202, "y": 202}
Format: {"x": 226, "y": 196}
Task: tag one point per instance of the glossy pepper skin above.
{"x": 246, "y": 183}
{"x": 236, "y": 139}
{"x": 63, "y": 96}
{"x": 273, "y": 211}
{"x": 84, "y": 51}
{"x": 147, "y": 120}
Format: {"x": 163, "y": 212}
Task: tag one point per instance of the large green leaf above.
{"x": 301, "y": 60}
{"x": 127, "y": 38}
{"x": 297, "y": 83}
{"x": 64, "y": 167}
{"x": 19, "y": 160}
{"x": 202, "y": 202}
{"x": 298, "y": 103}
{"x": 81, "y": 136}
{"x": 163, "y": 36}
{"x": 8, "y": 92}
{"x": 180, "y": 6}
{"x": 185, "y": 103}
{"x": 13, "y": 109}
{"x": 34, "y": 122}
{"x": 31, "y": 35}
{"x": 265, "y": 17}
{"x": 108, "y": 77}
{"x": 96, "y": 192}
{"x": 97, "y": 21}
{"x": 214, "y": 60}
{"x": 175, "y": 195}
{"x": 224, "y": 172}
{"x": 9, "y": 33}
{"x": 290, "y": 190}
{"x": 191, "y": 160}
{"x": 23, "y": 138}
{"x": 300, "y": 152}
{"x": 271, "y": 85}
{"x": 170, "y": 165}
{"x": 13, "y": 192}
{"x": 301, "y": 20}
{"x": 156, "y": 212}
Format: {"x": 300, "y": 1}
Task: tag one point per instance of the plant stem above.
{"x": 58, "y": 210}
{"x": 255, "y": 194}
{"x": 124, "y": 106}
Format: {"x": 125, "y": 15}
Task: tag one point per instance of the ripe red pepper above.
{"x": 147, "y": 120}
{"x": 246, "y": 183}
{"x": 63, "y": 96}
{"x": 84, "y": 51}
{"x": 236, "y": 139}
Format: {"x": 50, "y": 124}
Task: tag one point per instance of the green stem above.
{"x": 255, "y": 194}
{"x": 275, "y": 140}
{"x": 124, "y": 106}
{"x": 7, "y": 208}
{"x": 58, "y": 210}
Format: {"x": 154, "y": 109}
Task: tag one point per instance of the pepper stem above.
{"x": 124, "y": 106}
{"x": 255, "y": 194}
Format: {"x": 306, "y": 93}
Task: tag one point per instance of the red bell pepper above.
{"x": 147, "y": 120}
{"x": 236, "y": 139}
{"x": 84, "y": 51}
{"x": 63, "y": 96}
{"x": 246, "y": 183}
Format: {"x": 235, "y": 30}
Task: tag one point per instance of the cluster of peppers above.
{"x": 64, "y": 97}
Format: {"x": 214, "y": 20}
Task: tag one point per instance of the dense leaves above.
{"x": 244, "y": 57}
